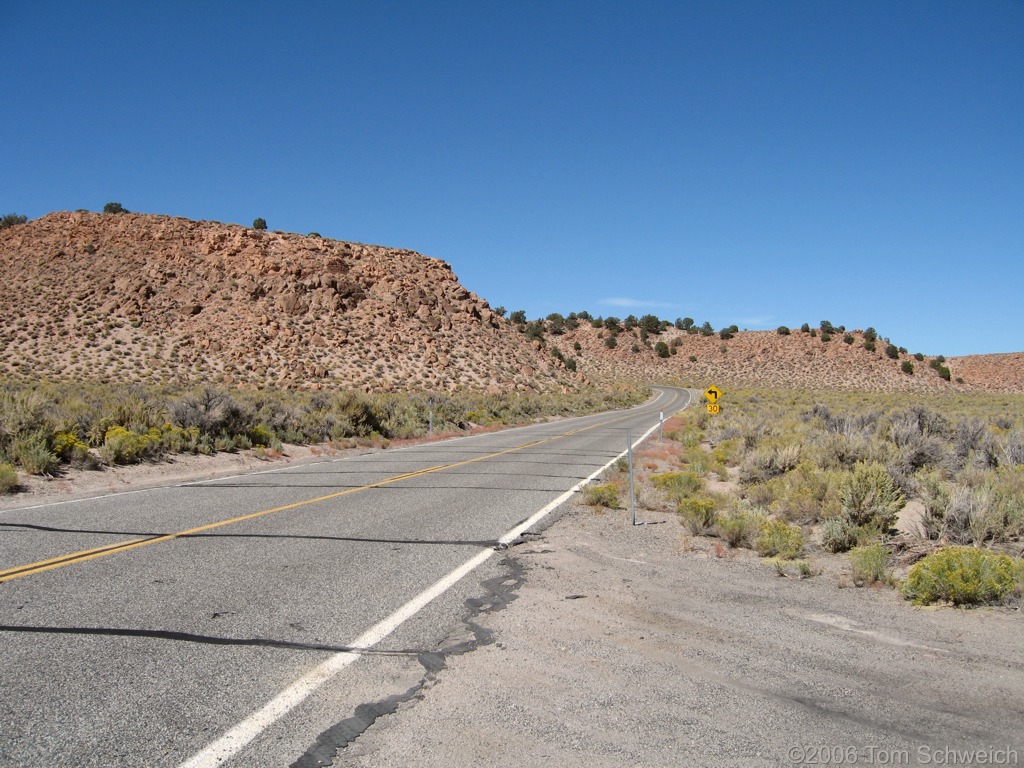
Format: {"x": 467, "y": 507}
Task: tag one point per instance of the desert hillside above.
{"x": 156, "y": 299}
{"x": 840, "y": 360}
{"x": 122, "y": 297}
{"x": 993, "y": 373}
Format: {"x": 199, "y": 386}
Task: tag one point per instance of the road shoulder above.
{"x": 628, "y": 645}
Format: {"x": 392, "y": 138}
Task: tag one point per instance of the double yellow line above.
{"x": 124, "y": 546}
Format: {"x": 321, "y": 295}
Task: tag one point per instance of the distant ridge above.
{"x": 994, "y": 373}
{"x": 797, "y": 360}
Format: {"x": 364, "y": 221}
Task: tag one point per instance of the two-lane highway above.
{"x": 219, "y": 622}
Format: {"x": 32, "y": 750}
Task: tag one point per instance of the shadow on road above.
{"x": 189, "y": 637}
{"x": 154, "y": 534}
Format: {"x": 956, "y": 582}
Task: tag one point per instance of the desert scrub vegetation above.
{"x": 870, "y": 498}
{"x": 12, "y": 220}
{"x": 601, "y": 495}
{"x": 777, "y": 538}
{"x": 864, "y": 456}
{"x": 740, "y": 524}
{"x": 685, "y": 493}
{"x": 964, "y": 576}
{"x": 52, "y": 424}
{"x": 699, "y": 514}
{"x": 8, "y": 478}
{"x": 870, "y": 565}
{"x": 888, "y": 478}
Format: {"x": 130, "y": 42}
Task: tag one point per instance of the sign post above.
{"x": 632, "y": 495}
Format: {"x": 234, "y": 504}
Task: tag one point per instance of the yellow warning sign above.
{"x": 712, "y": 394}
{"x": 714, "y": 408}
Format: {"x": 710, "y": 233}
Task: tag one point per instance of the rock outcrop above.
{"x": 131, "y": 297}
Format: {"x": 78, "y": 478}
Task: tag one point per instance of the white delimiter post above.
{"x": 632, "y": 495}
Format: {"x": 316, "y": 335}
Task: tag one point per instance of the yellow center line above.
{"x": 85, "y": 555}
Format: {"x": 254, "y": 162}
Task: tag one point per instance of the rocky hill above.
{"x": 162, "y": 300}
{"x": 767, "y": 359}
{"x": 993, "y": 373}
{"x": 130, "y": 297}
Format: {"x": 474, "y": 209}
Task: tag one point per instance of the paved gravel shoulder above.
{"x": 628, "y": 646}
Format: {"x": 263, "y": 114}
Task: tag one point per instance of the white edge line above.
{"x": 238, "y": 737}
{"x": 235, "y": 739}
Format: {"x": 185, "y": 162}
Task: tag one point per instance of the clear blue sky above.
{"x": 756, "y": 163}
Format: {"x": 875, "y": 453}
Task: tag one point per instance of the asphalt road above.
{"x": 214, "y": 623}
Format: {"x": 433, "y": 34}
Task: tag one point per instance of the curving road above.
{"x": 249, "y": 621}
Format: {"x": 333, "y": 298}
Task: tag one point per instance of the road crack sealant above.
{"x": 499, "y": 593}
